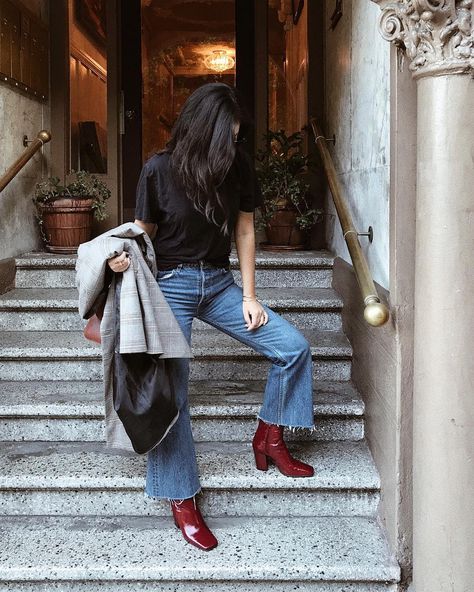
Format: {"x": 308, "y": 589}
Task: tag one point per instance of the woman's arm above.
{"x": 244, "y": 235}
{"x": 148, "y": 227}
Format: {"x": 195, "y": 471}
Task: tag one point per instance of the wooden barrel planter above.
{"x": 67, "y": 222}
{"x": 283, "y": 233}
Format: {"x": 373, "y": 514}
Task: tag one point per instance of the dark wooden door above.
{"x": 245, "y": 59}
{"x": 131, "y": 84}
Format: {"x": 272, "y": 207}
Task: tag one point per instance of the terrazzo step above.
{"x": 74, "y": 554}
{"x": 67, "y": 355}
{"x": 310, "y": 269}
{"x": 55, "y": 309}
{"x": 89, "y": 478}
{"x": 220, "y": 410}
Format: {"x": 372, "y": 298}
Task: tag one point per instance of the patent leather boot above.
{"x": 189, "y": 520}
{"x": 268, "y": 443}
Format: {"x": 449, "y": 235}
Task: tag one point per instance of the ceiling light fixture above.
{"x": 219, "y": 61}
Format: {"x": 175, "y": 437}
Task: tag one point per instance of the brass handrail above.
{"x": 42, "y": 138}
{"x": 375, "y": 312}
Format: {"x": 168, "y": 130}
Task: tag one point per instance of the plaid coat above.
{"x": 147, "y": 323}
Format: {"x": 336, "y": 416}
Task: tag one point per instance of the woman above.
{"x": 193, "y": 194}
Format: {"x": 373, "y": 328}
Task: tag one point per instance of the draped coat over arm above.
{"x": 147, "y": 323}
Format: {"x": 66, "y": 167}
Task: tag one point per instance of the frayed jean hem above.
{"x": 146, "y": 495}
{"x": 294, "y": 429}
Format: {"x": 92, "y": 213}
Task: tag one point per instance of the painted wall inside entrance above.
{"x": 21, "y": 115}
{"x": 356, "y": 72}
{"x": 370, "y": 98}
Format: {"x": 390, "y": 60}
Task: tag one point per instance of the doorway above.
{"x": 114, "y": 61}
{"x": 171, "y": 47}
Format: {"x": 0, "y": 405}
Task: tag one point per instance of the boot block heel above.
{"x": 261, "y": 461}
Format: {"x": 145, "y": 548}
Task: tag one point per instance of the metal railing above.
{"x": 42, "y": 138}
{"x": 375, "y": 312}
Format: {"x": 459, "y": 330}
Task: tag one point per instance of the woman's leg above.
{"x": 288, "y": 396}
{"x": 172, "y": 470}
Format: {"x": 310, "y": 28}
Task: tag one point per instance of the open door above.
{"x": 168, "y": 49}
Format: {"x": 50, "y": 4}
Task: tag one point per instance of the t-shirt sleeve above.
{"x": 251, "y": 193}
{"x": 147, "y": 195}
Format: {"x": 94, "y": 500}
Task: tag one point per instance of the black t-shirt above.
{"x": 184, "y": 235}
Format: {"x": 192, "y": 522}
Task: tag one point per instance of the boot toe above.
{"x": 297, "y": 469}
{"x": 202, "y": 538}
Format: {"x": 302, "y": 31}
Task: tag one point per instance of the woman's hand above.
{"x": 120, "y": 262}
{"x": 254, "y": 314}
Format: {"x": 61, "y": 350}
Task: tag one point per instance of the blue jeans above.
{"x": 210, "y": 293}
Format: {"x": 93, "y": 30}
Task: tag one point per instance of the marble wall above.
{"x": 357, "y": 74}
{"x": 20, "y": 115}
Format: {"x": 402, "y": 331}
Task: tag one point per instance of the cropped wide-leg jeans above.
{"x": 210, "y": 293}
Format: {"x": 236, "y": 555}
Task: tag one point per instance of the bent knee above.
{"x": 297, "y": 347}
{"x": 303, "y": 346}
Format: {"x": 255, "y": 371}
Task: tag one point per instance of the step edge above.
{"x": 8, "y": 413}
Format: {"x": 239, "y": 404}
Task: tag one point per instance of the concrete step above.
{"x": 72, "y": 554}
{"x": 281, "y": 270}
{"x": 89, "y": 478}
{"x": 220, "y": 410}
{"x": 55, "y": 309}
{"x": 67, "y": 355}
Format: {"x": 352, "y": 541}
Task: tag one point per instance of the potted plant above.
{"x": 286, "y": 214}
{"x": 65, "y": 213}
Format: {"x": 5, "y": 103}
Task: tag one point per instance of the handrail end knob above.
{"x": 376, "y": 314}
{"x": 44, "y": 136}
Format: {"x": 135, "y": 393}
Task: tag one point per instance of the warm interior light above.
{"x": 219, "y": 61}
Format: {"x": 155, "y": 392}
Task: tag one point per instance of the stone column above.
{"x": 435, "y": 38}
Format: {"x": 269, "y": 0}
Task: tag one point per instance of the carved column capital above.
{"x": 436, "y": 35}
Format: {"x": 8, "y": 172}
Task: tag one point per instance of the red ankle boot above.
{"x": 268, "y": 443}
{"x": 188, "y": 518}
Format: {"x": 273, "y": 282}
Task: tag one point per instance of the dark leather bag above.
{"x": 143, "y": 398}
{"x": 143, "y": 392}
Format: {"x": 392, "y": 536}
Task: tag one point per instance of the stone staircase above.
{"x": 73, "y": 513}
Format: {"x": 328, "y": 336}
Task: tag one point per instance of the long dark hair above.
{"x": 202, "y": 146}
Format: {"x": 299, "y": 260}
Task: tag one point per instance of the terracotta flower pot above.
{"x": 283, "y": 233}
{"x": 67, "y": 222}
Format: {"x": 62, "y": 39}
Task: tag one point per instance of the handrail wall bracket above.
{"x": 42, "y": 138}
